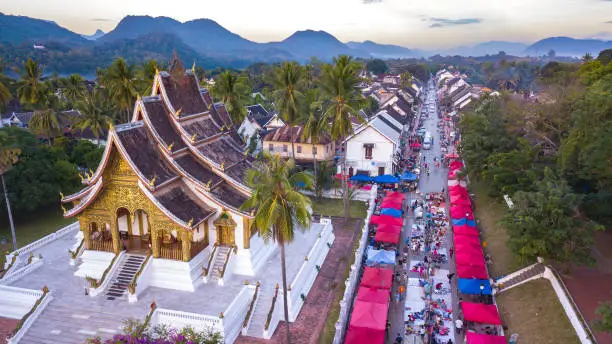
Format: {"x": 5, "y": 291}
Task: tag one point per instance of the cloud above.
{"x": 367, "y": 2}
{"x": 608, "y": 22}
{"x": 441, "y": 22}
{"x": 101, "y": 19}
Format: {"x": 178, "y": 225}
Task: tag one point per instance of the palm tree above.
{"x": 120, "y": 80}
{"x": 146, "y": 73}
{"x": 587, "y": 57}
{"x": 338, "y": 83}
{"x": 5, "y": 95}
{"x": 31, "y": 86}
{"x": 46, "y": 120}
{"x": 74, "y": 87}
{"x": 280, "y": 208}
{"x": 232, "y": 90}
{"x": 95, "y": 113}
{"x": 316, "y": 125}
{"x": 285, "y": 80}
{"x": 9, "y": 154}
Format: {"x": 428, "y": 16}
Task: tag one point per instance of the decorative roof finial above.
{"x": 63, "y": 209}
{"x": 170, "y": 146}
{"x": 152, "y": 182}
{"x": 111, "y": 126}
{"x": 178, "y": 112}
{"x": 156, "y": 70}
{"x": 61, "y": 195}
{"x": 190, "y": 223}
{"x": 193, "y": 138}
{"x": 208, "y": 184}
{"x": 138, "y": 98}
{"x": 222, "y": 166}
{"x": 193, "y": 67}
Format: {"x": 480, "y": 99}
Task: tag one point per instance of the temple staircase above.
{"x": 219, "y": 262}
{"x": 520, "y": 277}
{"x": 130, "y": 264}
{"x": 260, "y": 311}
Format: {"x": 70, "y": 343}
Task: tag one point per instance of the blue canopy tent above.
{"x": 380, "y": 257}
{"x": 463, "y": 222}
{"x": 392, "y": 212}
{"x": 408, "y": 176}
{"x": 361, "y": 178}
{"x": 386, "y": 178}
{"x": 472, "y": 286}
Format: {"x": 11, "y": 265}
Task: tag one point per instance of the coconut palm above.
{"x": 31, "y": 85}
{"x": 146, "y": 73}
{"x": 285, "y": 80}
{"x": 46, "y": 121}
{"x": 587, "y": 57}
{"x": 5, "y": 95}
{"x": 233, "y": 91}
{"x": 316, "y": 125}
{"x": 74, "y": 86}
{"x": 120, "y": 80}
{"x": 338, "y": 83}
{"x": 280, "y": 208}
{"x": 9, "y": 154}
{"x": 95, "y": 113}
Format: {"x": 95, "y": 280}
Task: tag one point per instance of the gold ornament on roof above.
{"x": 222, "y": 167}
{"x": 190, "y": 223}
{"x": 178, "y": 112}
{"x": 156, "y": 70}
{"x": 63, "y": 209}
{"x": 193, "y": 67}
{"x": 61, "y": 195}
{"x": 152, "y": 182}
{"x": 170, "y": 146}
{"x": 91, "y": 172}
{"x": 193, "y": 138}
{"x": 111, "y": 126}
{"x": 138, "y": 97}
{"x": 208, "y": 184}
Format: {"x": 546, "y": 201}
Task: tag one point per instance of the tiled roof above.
{"x": 160, "y": 120}
{"x": 288, "y": 133}
{"x": 259, "y": 114}
{"x": 182, "y": 203}
{"x": 184, "y": 94}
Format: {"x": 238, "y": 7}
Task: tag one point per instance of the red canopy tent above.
{"x": 377, "y": 278}
{"x": 415, "y": 145}
{"x": 455, "y": 165}
{"x": 459, "y": 212}
{"x": 477, "y": 338}
{"x": 373, "y": 295}
{"x": 389, "y": 229}
{"x": 472, "y": 258}
{"x": 389, "y": 237}
{"x": 461, "y": 200}
{"x": 390, "y": 203}
{"x": 480, "y": 313}
{"x": 367, "y": 324}
{"x": 470, "y": 271}
{"x": 466, "y": 240}
{"x": 452, "y": 175}
{"x": 395, "y": 194}
{"x": 386, "y": 220}
{"x": 465, "y": 230}
{"x": 452, "y": 155}
{"x": 456, "y": 188}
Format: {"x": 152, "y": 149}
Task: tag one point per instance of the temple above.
{"x": 170, "y": 182}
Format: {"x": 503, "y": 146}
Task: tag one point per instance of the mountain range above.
{"x": 205, "y": 39}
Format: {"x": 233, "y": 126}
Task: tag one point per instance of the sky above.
{"x": 411, "y": 23}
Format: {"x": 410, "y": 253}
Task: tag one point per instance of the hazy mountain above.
{"x": 135, "y": 26}
{"x": 567, "y": 46}
{"x": 486, "y": 48}
{"x": 99, "y": 33}
{"x": 383, "y": 50}
{"x": 19, "y": 29}
{"x": 307, "y": 43}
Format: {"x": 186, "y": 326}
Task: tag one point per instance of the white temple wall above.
{"x": 123, "y": 223}
{"x": 198, "y": 234}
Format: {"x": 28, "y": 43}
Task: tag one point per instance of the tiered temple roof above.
{"x": 177, "y": 138}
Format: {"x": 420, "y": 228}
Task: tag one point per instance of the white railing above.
{"x": 31, "y": 319}
{"x": 42, "y": 241}
{"x": 109, "y": 276}
{"x": 179, "y": 319}
{"x": 351, "y": 282}
{"x": 17, "y": 274}
{"x": 228, "y": 268}
{"x": 256, "y": 295}
{"x": 571, "y": 310}
{"x": 277, "y": 315}
{"x": 233, "y": 317}
{"x": 143, "y": 281}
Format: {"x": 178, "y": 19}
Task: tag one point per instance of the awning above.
{"x": 469, "y": 272}
{"x": 377, "y": 278}
{"x": 473, "y": 257}
{"x": 456, "y": 188}
{"x": 361, "y": 178}
{"x": 460, "y": 212}
{"x": 455, "y": 165}
{"x": 415, "y": 145}
{"x": 388, "y": 237}
{"x": 478, "y": 338}
{"x": 386, "y": 178}
{"x": 395, "y": 195}
{"x": 368, "y": 322}
{"x": 480, "y": 313}
{"x": 389, "y": 228}
{"x": 373, "y": 295}
{"x": 380, "y": 257}
{"x": 409, "y": 176}
{"x": 385, "y": 220}
{"x": 472, "y": 287}
{"x": 462, "y": 222}
{"x": 391, "y": 211}
{"x": 391, "y": 203}
{"x": 461, "y": 199}
{"x": 467, "y": 240}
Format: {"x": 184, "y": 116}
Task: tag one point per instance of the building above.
{"x": 373, "y": 149}
{"x": 257, "y": 123}
{"x": 280, "y": 141}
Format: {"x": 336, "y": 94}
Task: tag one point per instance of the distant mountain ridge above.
{"x": 99, "y": 33}
{"x": 567, "y": 46}
{"x": 20, "y": 29}
{"x": 384, "y": 51}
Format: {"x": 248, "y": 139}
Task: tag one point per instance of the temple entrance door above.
{"x": 225, "y": 230}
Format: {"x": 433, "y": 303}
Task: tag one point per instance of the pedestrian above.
{"x": 450, "y": 277}
{"x": 397, "y": 297}
{"x": 399, "y": 339}
{"x": 422, "y": 333}
{"x": 458, "y": 326}
{"x": 401, "y": 290}
{"x": 443, "y": 189}
{"x": 450, "y": 252}
{"x": 387, "y": 329}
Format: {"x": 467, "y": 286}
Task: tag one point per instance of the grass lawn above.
{"x": 32, "y": 228}
{"x": 335, "y": 207}
{"x": 489, "y": 211}
{"x": 533, "y": 311}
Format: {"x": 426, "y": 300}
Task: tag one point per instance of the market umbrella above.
{"x": 373, "y": 295}
{"x": 459, "y": 212}
{"x": 408, "y": 176}
{"x": 452, "y": 155}
{"x": 391, "y": 203}
{"x": 386, "y": 179}
{"x": 389, "y": 228}
{"x": 455, "y": 165}
{"x": 465, "y": 231}
{"x": 460, "y": 200}
{"x": 392, "y": 212}
{"x": 479, "y": 338}
{"x": 395, "y": 195}
{"x": 388, "y": 237}
{"x": 377, "y": 278}
{"x": 415, "y": 145}
{"x": 368, "y": 322}
{"x": 466, "y": 240}
{"x": 456, "y": 188}
{"x": 470, "y": 257}
{"x": 380, "y": 257}
{"x": 385, "y": 219}
{"x": 361, "y": 178}
{"x": 471, "y": 271}
{"x": 480, "y": 312}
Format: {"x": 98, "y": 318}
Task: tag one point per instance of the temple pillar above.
{"x": 186, "y": 245}
{"x": 114, "y": 229}
{"x": 246, "y": 231}
{"x": 155, "y": 236}
{"x": 86, "y": 229}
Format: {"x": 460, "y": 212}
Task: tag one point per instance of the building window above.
{"x": 314, "y": 150}
{"x": 285, "y": 148}
{"x": 270, "y": 147}
{"x": 299, "y": 149}
{"x": 368, "y": 152}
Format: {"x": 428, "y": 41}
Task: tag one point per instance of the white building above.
{"x": 258, "y": 121}
{"x": 373, "y": 148}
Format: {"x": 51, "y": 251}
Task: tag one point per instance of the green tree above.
{"x": 146, "y": 74}
{"x": 587, "y": 57}
{"x": 338, "y": 86}
{"x": 234, "y": 91}
{"x": 406, "y": 80}
{"x": 546, "y": 223}
{"x": 96, "y": 113}
{"x": 46, "y": 121}
{"x": 280, "y": 208}
{"x": 286, "y": 80}
{"x": 605, "y": 56}
{"x": 377, "y": 66}
{"x": 31, "y": 86}
{"x": 120, "y": 80}
{"x": 316, "y": 126}
{"x": 324, "y": 178}
{"x": 370, "y": 106}
{"x": 74, "y": 87}
{"x": 9, "y": 155}
{"x": 605, "y": 322}
{"x": 5, "y": 93}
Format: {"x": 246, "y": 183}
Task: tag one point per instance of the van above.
{"x": 427, "y": 141}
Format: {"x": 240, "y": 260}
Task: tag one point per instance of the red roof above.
{"x": 455, "y": 165}
{"x": 377, "y": 278}
{"x": 386, "y": 220}
{"x": 391, "y": 204}
{"x": 389, "y": 237}
{"x": 460, "y": 200}
{"x": 389, "y": 228}
{"x": 368, "y": 322}
{"x": 395, "y": 194}
{"x": 469, "y": 271}
{"x": 474, "y": 258}
{"x": 373, "y": 295}
{"x": 480, "y": 313}
{"x": 477, "y": 338}
{"x": 460, "y": 211}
